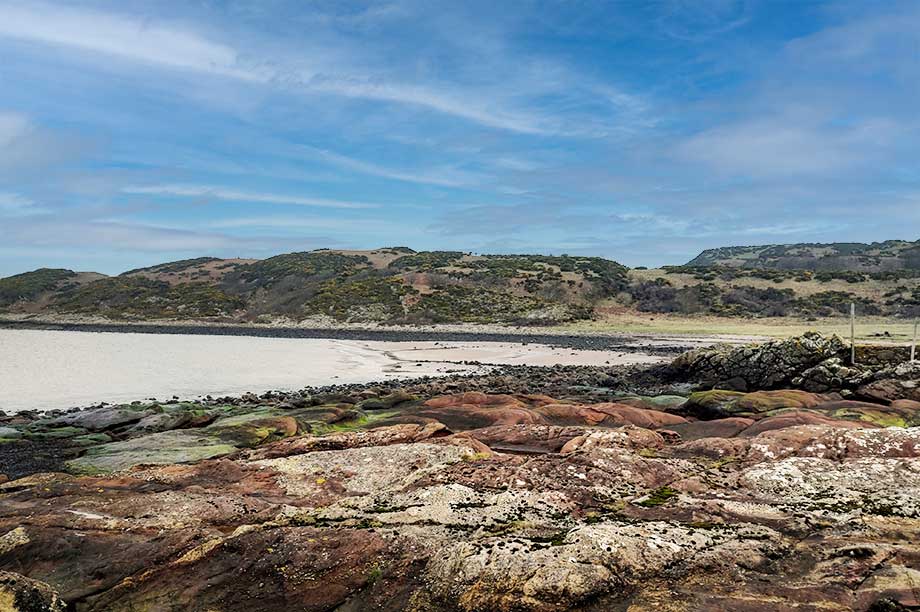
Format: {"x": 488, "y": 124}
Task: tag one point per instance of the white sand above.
{"x": 44, "y": 370}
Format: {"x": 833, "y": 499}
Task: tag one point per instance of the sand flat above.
{"x": 43, "y": 370}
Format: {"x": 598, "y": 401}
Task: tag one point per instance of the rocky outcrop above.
{"x": 900, "y": 382}
{"x": 770, "y": 365}
{"x": 832, "y": 375}
{"x": 811, "y": 363}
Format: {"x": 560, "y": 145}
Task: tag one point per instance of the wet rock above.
{"x": 183, "y": 446}
{"x": 760, "y": 402}
{"x": 101, "y": 419}
{"x": 387, "y": 401}
{"x": 10, "y": 433}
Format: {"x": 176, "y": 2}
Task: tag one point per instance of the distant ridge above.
{"x": 386, "y": 285}
{"x": 855, "y": 256}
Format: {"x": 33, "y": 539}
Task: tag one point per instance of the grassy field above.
{"x": 870, "y": 329}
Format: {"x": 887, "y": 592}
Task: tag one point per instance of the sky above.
{"x": 134, "y": 132}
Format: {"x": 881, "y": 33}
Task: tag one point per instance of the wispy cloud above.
{"x": 12, "y": 127}
{"x": 15, "y": 205}
{"x": 52, "y": 233}
{"x": 444, "y": 177}
{"x": 700, "y": 20}
{"x": 787, "y": 145}
{"x": 292, "y": 222}
{"x": 222, "y": 193}
{"x": 125, "y": 37}
{"x": 458, "y": 105}
{"x": 176, "y": 47}
{"x": 26, "y": 147}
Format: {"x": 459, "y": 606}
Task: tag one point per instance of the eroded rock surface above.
{"x": 411, "y": 517}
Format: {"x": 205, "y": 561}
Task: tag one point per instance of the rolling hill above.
{"x": 875, "y": 257}
{"x": 388, "y": 285}
{"x": 398, "y": 285}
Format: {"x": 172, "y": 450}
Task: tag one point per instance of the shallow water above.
{"x": 44, "y": 370}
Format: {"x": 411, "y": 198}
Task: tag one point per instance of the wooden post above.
{"x": 852, "y": 333}
{"x": 913, "y": 344}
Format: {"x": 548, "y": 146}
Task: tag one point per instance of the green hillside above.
{"x": 874, "y": 257}
{"x": 390, "y": 285}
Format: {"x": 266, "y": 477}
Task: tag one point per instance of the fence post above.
{"x": 852, "y": 333}
{"x": 913, "y": 344}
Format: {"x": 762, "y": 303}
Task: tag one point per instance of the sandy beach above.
{"x": 45, "y": 370}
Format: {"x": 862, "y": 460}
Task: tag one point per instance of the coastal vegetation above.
{"x": 396, "y": 285}
{"x": 30, "y": 285}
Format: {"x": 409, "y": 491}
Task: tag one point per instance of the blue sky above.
{"x": 136, "y": 132}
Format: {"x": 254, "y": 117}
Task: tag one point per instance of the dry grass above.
{"x": 870, "y": 329}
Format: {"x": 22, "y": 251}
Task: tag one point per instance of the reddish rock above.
{"x": 891, "y": 389}
{"x": 474, "y": 398}
{"x": 395, "y": 434}
{"x": 538, "y": 438}
{"x": 287, "y": 568}
{"x": 906, "y": 404}
{"x": 717, "y": 428}
{"x": 793, "y": 418}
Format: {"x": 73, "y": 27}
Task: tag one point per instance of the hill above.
{"x": 388, "y": 285}
{"x": 398, "y": 285}
{"x": 875, "y": 257}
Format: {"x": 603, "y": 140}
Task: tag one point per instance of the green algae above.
{"x": 658, "y": 497}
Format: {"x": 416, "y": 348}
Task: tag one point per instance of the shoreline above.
{"x": 50, "y": 369}
{"x": 599, "y": 341}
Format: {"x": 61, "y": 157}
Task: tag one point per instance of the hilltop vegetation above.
{"x": 390, "y": 285}
{"x": 727, "y": 291}
{"x": 875, "y": 257}
{"x": 398, "y": 285}
{"x": 29, "y": 285}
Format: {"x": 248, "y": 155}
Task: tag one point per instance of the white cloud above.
{"x": 221, "y": 193}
